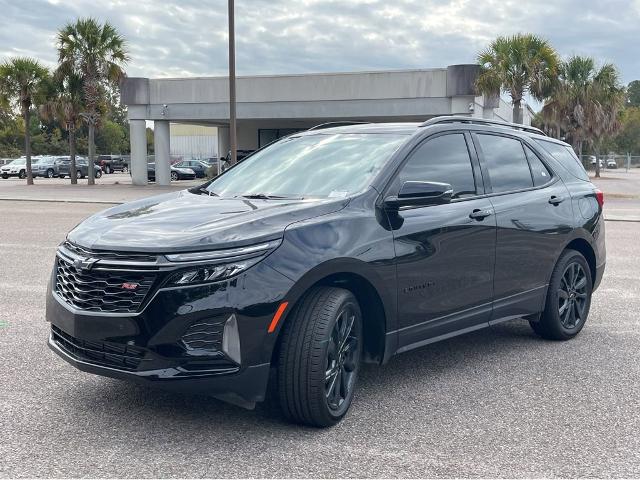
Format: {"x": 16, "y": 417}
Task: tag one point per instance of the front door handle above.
{"x": 554, "y": 200}
{"x": 478, "y": 214}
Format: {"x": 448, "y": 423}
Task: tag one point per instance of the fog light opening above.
{"x": 231, "y": 339}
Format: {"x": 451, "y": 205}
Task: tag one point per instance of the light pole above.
{"x": 232, "y": 85}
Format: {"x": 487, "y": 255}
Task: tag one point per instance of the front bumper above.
{"x": 150, "y": 347}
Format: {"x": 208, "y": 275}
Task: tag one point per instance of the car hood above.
{"x": 184, "y": 221}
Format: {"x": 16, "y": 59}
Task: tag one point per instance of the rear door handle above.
{"x": 478, "y": 214}
{"x": 556, "y": 200}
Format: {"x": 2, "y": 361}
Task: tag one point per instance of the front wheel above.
{"x": 22, "y": 174}
{"x": 79, "y": 174}
{"x": 568, "y": 298}
{"x": 174, "y": 176}
{"x": 320, "y": 357}
{"x": 60, "y": 176}
{"x": 107, "y": 169}
{"x": 125, "y": 169}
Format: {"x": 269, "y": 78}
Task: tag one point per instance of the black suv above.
{"x": 327, "y": 249}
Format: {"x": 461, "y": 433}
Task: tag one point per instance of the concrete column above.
{"x": 138, "y": 134}
{"x": 223, "y": 144}
{"x": 161, "y": 142}
{"x": 223, "y": 141}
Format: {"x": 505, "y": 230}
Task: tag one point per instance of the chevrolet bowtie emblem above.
{"x": 85, "y": 263}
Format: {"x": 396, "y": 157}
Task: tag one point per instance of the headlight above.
{"x": 216, "y": 265}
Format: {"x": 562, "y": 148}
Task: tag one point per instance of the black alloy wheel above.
{"x": 342, "y": 360}
{"x": 319, "y": 357}
{"x": 568, "y": 298}
{"x": 572, "y": 296}
{"x": 49, "y": 173}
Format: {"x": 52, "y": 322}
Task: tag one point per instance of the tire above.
{"x": 22, "y": 175}
{"x": 79, "y": 174}
{"x": 309, "y": 349}
{"x": 568, "y": 298}
{"x": 49, "y": 173}
{"x": 125, "y": 169}
{"x": 60, "y": 176}
{"x": 98, "y": 173}
{"x": 174, "y": 176}
{"x": 5, "y": 176}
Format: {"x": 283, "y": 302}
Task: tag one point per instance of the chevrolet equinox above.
{"x": 326, "y": 249}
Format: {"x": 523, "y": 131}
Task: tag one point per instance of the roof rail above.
{"x": 335, "y": 124}
{"x": 480, "y": 121}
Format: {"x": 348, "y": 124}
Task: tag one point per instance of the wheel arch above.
{"x": 375, "y": 302}
{"x": 584, "y": 247}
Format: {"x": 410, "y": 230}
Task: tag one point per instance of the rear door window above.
{"x": 565, "y": 155}
{"x": 506, "y": 162}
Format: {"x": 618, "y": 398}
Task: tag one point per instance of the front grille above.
{"x": 99, "y": 290}
{"x": 116, "y": 355}
{"x": 204, "y": 336}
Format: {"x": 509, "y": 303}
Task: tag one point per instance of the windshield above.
{"x": 320, "y": 165}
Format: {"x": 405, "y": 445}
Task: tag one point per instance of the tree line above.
{"x": 584, "y": 103}
{"x": 60, "y": 111}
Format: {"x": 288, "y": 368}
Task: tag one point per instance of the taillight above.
{"x": 600, "y": 197}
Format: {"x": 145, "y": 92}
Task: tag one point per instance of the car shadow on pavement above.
{"x": 377, "y": 384}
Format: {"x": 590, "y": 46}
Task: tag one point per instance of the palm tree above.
{"x": 586, "y": 102}
{"x": 517, "y": 65}
{"x": 96, "y": 54}
{"x": 65, "y": 105}
{"x": 21, "y": 83}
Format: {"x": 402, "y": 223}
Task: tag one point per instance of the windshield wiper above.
{"x": 265, "y": 196}
{"x": 208, "y": 192}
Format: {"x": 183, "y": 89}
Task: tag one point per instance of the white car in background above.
{"x": 17, "y": 168}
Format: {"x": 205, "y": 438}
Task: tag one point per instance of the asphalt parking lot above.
{"x": 495, "y": 403}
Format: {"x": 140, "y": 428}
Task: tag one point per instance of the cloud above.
{"x": 174, "y": 38}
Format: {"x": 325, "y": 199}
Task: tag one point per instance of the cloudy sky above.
{"x": 170, "y": 38}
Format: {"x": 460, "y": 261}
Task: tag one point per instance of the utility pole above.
{"x": 232, "y": 86}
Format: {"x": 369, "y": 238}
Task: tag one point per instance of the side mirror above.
{"x": 420, "y": 194}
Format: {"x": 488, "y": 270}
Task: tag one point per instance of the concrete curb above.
{"x": 64, "y": 200}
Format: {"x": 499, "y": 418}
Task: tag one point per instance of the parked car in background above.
{"x": 112, "y": 163}
{"x": 199, "y": 167}
{"x": 176, "y": 173}
{"x": 16, "y": 168}
{"x": 82, "y": 168}
{"x": 611, "y": 163}
{"x": 45, "y": 166}
{"x": 409, "y": 234}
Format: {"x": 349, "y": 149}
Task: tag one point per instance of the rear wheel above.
{"x": 22, "y": 174}
{"x": 320, "y": 357}
{"x": 49, "y": 173}
{"x": 107, "y": 169}
{"x": 79, "y": 174}
{"x": 568, "y": 298}
{"x": 174, "y": 176}
{"x": 125, "y": 169}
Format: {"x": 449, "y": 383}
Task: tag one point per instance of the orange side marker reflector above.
{"x": 277, "y": 316}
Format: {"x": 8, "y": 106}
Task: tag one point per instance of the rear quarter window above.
{"x": 565, "y": 155}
